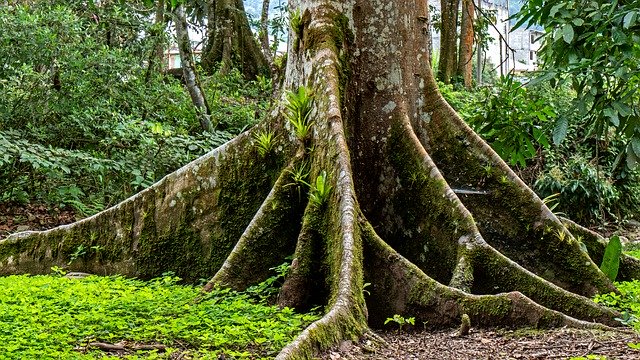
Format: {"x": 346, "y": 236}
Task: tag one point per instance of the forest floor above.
{"x": 20, "y": 217}
{"x": 492, "y": 344}
{"x": 397, "y": 345}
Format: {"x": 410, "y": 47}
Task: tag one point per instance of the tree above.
{"x": 465, "y": 63}
{"x": 404, "y": 197}
{"x": 230, "y": 41}
{"x": 189, "y": 69}
{"x": 448, "y": 40}
{"x": 593, "y": 46}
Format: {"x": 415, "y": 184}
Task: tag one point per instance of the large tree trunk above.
{"x": 448, "y": 40}
{"x": 465, "y": 63}
{"x": 228, "y": 32}
{"x": 420, "y": 207}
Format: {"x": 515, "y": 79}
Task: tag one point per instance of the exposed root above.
{"x": 186, "y": 223}
{"x": 596, "y": 244}
{"x": 510, "y": 217}
{"x": 496, "y": 273}
{"x": 278, "y": 218}
{"x": 399, "y": 287}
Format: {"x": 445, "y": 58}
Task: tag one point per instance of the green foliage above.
{"x": 264, "y": 141}
{"x": 320, "y": 190}
{"x": 611, "y": 258}
{"x": 299, "y": 105}
{"x": 299, "y": 175}
{"x": 295, "y": 21}
{"x": 514, "y": 120}
{"x": 583, "y": 190}
{"x": 576, "y": 166}
{"x": 594, "y": 46}
{"x": 47, "y": 317}
{"x": 236, "y": 104}
{"x": 627, "y": 302}
{"x": 83, "y": 122}
{"x": 401, "y": 321}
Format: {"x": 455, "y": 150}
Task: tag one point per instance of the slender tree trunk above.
{"x": 465, "y": 63}
{"x": 448, "y": 40}
{"x": 226, "y": 16}
{"x": 189, "y": 69}
{"x": 264, "y": 32}
{"x": 156, "y": 58}
{"x": 418, "y": 206}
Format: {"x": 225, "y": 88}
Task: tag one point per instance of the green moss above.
{"x": 420, "y": 202}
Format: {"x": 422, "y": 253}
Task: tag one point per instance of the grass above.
{"x": 53, "y": 317}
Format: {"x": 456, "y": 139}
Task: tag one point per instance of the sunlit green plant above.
{"x": 264, "y": 141}
{"x": 299, "y": 175}
{"x": 55, "y": 317}
{"x": 401, "y": 321}
{"x": 299, "y": 105}
{"x": 320, "y": 190}
{"x": 295, "y": 20}
{"x": 611, "y": 259}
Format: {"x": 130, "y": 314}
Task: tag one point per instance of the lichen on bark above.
{"x": 420, "y": 208}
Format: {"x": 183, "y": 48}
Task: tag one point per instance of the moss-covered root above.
{"x": 335, "y": 226}
{"x": 172, "y": 226}
{"x": 508, "y": 214}
{"x": 596, "y": 244}
{"x": 278, "y": 219}
{"x": 400, "y": 287}
{"x": 493, "y": 273}
{"x": 479, "y": 268}
{"x": 304, "y": 284}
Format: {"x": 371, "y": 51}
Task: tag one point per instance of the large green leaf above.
{"x": 611, "y": 258}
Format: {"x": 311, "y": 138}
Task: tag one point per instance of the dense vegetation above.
{"x": 580, "y": 174}
{"x": 84, "y": 122}
{"x": 54, "y": 317}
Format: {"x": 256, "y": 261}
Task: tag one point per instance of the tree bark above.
{"x": 189, "y": 69}
{"x": 399, "y": 216}
{"x": 465, "y": 63}
{"x": 229, "y": 17}
{"x": 264, "y": 32}
{"x": 448, "y": 40}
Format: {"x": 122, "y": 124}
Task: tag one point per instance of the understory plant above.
{"x": 47, "y": 317}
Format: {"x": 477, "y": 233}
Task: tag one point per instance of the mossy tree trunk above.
{"x": 420, "y": 207}
{"x": 447, "y": 65}
{"x": 228, "y": 32}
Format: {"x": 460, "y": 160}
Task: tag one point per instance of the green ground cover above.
{"x": 54, "y": 317}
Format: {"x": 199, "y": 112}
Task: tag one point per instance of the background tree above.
{"x": 369, "y": 177}
{"x": 447, "y": 65}
{"x": 465, "y": 62}
{"x": 230, "y": 40}
{"x": 191, "y": 80}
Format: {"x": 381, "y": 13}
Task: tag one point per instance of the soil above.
{"x": 20, "y": 217}
{"x": 491, "y": 344}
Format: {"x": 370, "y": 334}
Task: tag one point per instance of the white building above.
{"x": 526, "y": 43}
{"x": 521, "y": 53}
